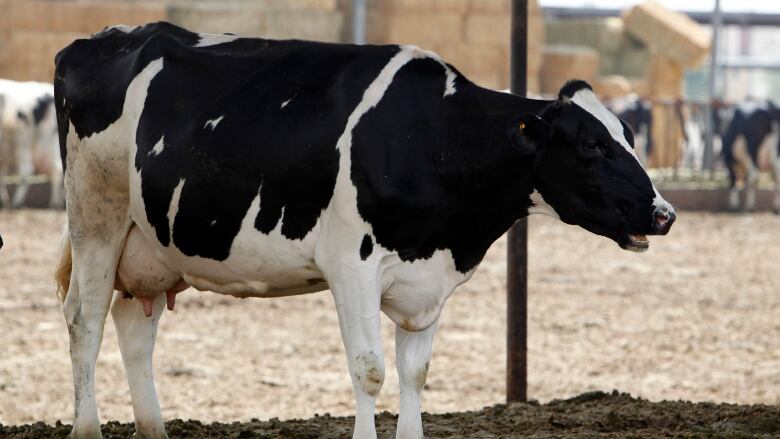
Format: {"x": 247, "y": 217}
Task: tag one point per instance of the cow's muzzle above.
{"x": 663, "y": 218}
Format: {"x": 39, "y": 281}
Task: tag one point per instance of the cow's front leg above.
{"x": 136, "y": 334}
{"x": 358, "y": 306}
{"x": 776, "y": 177}
{"x": 733, "y": 199}
{"x": 413, "y": 353}
{"x": 751, "y": 185}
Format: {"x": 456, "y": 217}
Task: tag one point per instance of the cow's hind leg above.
{"x": 24, "y": 163}
{"x": 413, "y": 353}
{"x": 5, "y": 198}
{"x": 358, "y": 306}
{"x": 136, "y": 334}
{"x": 96, "y": 241}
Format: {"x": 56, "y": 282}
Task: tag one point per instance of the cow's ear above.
{"x": 528, "y": 133}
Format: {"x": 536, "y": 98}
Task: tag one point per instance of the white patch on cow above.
{"x": 212, "y": 123}
{"x": 415, "y": 291}
{"x": 449, "y": 82}
{"x": 449, "y": 85}
{"x": 214, "y": 39}
{"x": 587, "y": 100}
{"x": 284, "y": 104}
{"x": 213, "y": 223}
{"x": 540, "y": 206}
{"x": 158, "y": 147}
{"x": 123, "y": 28}
{"x": 173, "y": 208}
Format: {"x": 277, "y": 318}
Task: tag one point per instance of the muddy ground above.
{"x": 695, "y": 318}
{"x": 593, "y": 415}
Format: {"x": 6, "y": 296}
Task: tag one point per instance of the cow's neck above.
{"x": 498, "y": 179}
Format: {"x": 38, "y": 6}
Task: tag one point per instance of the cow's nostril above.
{"x": 662, "y": 220}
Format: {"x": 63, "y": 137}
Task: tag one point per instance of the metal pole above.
{"x": 517, "y": 249}
{"x": 359, "y": 21}
{"x": 711, "y": 111}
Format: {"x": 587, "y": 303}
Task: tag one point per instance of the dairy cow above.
{"x": 262, "y": 168}
{"x": 28, "y": 139}
{"x": 752, "y": 134}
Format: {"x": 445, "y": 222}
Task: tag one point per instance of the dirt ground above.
{"x": 592, "y": 415}
{"x": 695, "y": 318}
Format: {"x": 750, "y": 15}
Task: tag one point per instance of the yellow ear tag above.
{"x": 522, "y": 125}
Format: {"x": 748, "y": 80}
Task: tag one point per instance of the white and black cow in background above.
{"x": 751, "y": 141}
{"x": 28, "y": 139}
{"x": 638, "y": 114}
{"x": 635, "y": 112}
{"x": 261, "y": 168}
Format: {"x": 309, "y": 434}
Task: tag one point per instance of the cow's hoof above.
{"x": 92, "y": 434}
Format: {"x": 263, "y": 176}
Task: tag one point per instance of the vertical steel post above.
{"x": 712, "y": 91}
{"x": 359, "y": 21}
{"x": 517, "y": 249}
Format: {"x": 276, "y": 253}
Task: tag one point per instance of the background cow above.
{"x": 750, "y": 143}
{"x": 28, "y": 139}
{"x": 260, "y": 168}
{"x": 636, "y": 114}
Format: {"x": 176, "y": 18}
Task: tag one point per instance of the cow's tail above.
{"x": 64, "y": 266}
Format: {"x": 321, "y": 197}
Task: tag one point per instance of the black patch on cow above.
{"x": 435, "y": 172}
{"x": 637, "y": 116}
{"x": 287, "y": 155}
{"x": 753, "y": 122}
{"x": 366, "y": 247}
{"x": 23, "y": 117}
{"x": 628, "y": 133}
{"x": 572, "y": 87}
{"x": 42, "y": 107}
{"x": 94, "y": 73}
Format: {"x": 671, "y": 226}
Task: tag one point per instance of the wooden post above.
{"x": 517, "y": 248}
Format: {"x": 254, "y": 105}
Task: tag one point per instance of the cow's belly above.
{"x": 259, "y": 264}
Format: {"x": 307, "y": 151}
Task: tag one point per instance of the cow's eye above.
{"x": 593, "y": 147}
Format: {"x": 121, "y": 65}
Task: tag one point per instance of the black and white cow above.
{"x": 753, "y": 132}
{"x": 264, "y": 168}
{"x": 637, "y": 114}
{"x": 28, "y": 139}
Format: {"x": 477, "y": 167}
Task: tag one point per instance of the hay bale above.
{"x": 602, "y": 34}
{"x": 668, "y": 32}
{"x": 613, "y": 86}
{"x": 619, "y": 52}
{"x": 665, "y": 77}
{"x": 562, "y": 63}
{"x": 667, "y": 136}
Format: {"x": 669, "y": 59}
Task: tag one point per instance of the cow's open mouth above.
{"x": 634, "y": 243}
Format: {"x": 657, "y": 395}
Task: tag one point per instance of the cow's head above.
{"x": 585, "y": 170}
